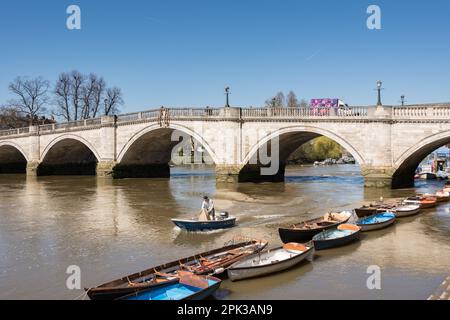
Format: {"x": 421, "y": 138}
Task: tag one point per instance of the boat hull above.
{"x": 365, "y": 212}
{"x": 115, "y": 293}
{"x": 406, "y": 213}
{"x": 376, "y": 226}
{"x": 304, "y": 235}
{"x": 191, "y": 225}
{"x": 241, "y": 273}
{"x": 332, "y": 243}
{"x": 188, "y": 294}
{"x": 295, "y": 235}
{"x": 120, "y": 287}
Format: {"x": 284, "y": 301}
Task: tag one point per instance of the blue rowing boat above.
{"x": 376, "y": 221}
{"x": 189, "y": 287}
{"x": 344, "y": 234}
{"x": 195, "y": 225}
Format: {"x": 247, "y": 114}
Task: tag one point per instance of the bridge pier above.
{"x": 105, "y": 169}
{"x": 226, "y": 173}
{"x": 32, "y": 168}
{"x": 377, "y": 177}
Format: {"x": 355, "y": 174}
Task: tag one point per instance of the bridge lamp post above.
{"x": 402, "y": 99}
{"x": 379, "y": 84}
{"x": 227, "y": 93}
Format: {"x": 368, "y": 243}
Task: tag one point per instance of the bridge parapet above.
{"x": 305, "y": 112}
{"x": 412, "y": 112}
{"x": 436, "y": 111}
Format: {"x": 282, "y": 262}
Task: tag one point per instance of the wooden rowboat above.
{"x": 376, "y": 221}
{"x": 206, "y": 263}
{"x": 406, "y": 210}
{"x": 195, "y": 225}
{"x": 425, "y": 202}
{"x": 187, "y": 287}
{"x": 342, "y": 235}
{"x": 304, "y": 231}
{"x": 372, "y": 209}
{"x": 271, "y": 261}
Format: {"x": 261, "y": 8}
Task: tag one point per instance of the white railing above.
{"x": 438, "y": 111}
{"x": 305, "y": 112}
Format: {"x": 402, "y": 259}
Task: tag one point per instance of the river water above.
{"x": 110, "y": 228}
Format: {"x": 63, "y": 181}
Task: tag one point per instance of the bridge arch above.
{"x": 290, "y": 139}
{"x": 68, "y": 154}
{"x": 406, "y": 164}
{"x": 148, "y": 152}
{"x": 13, "y": 159}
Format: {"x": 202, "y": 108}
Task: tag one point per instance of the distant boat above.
{"x": 271, "y": 261}
{"x": 424, "y": 202}
{"x": 427, "y": 176}
{"x": 304, "y": 231}
{"x": 195, "y": 225}
{"x": 406, "y": 210}
{"x": 188, "y": 287}
{"x": 342, "y": 235}
{"x": 210, "y": 262}
{"x": 376, "y": 221}
{"x": 442, "y": 196}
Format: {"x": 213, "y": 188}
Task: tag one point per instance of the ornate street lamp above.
{"x": 227, "y": 93}
{"x": 379, "y": 84}
{"x": 402, "y": 99}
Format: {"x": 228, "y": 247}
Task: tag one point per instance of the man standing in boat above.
{"x": 208, "y": 208}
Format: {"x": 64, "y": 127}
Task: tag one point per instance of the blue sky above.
{"x": 183, "y": 53}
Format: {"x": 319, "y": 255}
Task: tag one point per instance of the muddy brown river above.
{"x": 110, "y": 228}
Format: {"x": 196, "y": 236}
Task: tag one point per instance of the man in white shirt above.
{"x": 208, "y": 206}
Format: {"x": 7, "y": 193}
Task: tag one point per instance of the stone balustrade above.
{"x": 431, "y": 111}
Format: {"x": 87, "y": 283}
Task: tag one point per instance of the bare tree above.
{"x": 76, "y": 92}
{"x": 292, "y": 101}
{"x": 278, "y": 101}
{"x": 31, "y": 96}
{"x": 83, "y": 97}
{"x": 63, "y": 96}
{"x": 99, "y": 91}
{"x": 113, "y": 101}
{"x": 88, "y": 94}
{"x": 303, "y": 103}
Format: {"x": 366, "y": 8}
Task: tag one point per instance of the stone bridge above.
{"x": 387, "y": 142}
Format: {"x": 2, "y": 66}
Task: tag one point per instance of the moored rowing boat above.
{"x": 271, "y": 261}
{"x": 342, "y": 235}
{"x": 376, "y": 221}
{"x": 406, "y": 210}
{"x": 304, "y": 231}
{"x": 210, "y": 262}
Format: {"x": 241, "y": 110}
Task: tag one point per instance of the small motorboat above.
{"x": 343, "y": 234}
{"x": 188, "y": 287}
{"x": 424, "y": 202}
{"x": 210, "y": 262}
{"x": 223, "y": 221}
{"x": 304, "y": 231}
{"x": 376, "y": 221}
{"x": 271, "y": 261}
{"x": 406, "y": 210}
